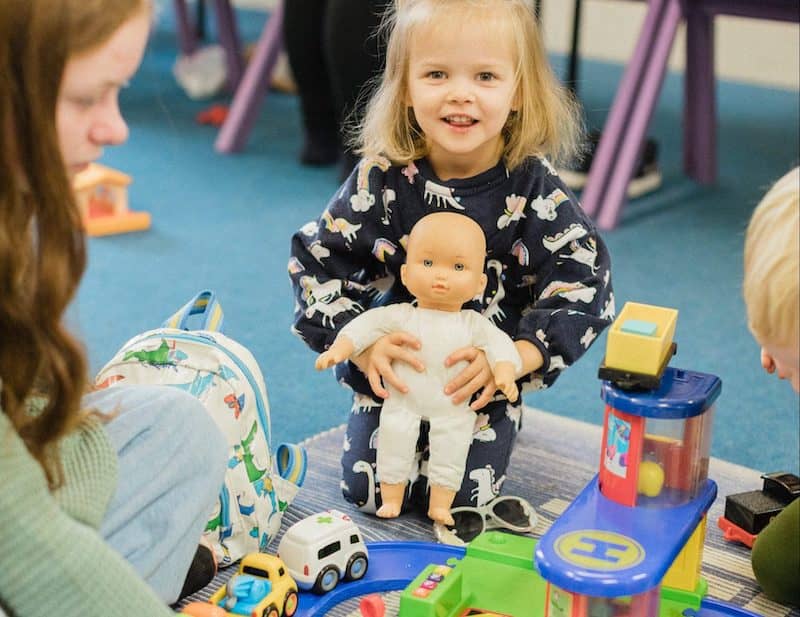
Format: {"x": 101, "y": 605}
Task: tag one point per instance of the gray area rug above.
{"x": 553, "y": 460}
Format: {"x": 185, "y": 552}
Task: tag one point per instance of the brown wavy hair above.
{"x": 42, "y": 244}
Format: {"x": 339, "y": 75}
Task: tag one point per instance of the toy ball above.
{"x": 651, "y": 479}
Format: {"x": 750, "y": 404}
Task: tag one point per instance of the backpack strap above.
{"x": 291, "y": 461}
{"x": 205, "y": 305}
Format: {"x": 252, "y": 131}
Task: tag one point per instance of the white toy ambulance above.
{"x": 322, "y": 549}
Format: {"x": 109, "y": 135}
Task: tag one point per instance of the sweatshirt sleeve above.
{"x": 332, "y": 258}
{"x": 572, "y": 300}
{"x": 51, "y": 564}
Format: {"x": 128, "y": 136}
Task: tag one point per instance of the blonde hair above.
{"x": 771, "y": 259}
{"x": 545, "y": 124}
{"x": 42, "y": 245}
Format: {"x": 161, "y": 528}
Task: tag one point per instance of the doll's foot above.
{"x": 389, "y": 510}
{"x": 441, "y": 516}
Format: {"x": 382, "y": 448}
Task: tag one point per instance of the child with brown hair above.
{"x": 464, "y": 119}
{"x": 103, "y": 496}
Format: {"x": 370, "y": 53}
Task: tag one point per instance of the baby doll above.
{"x": 443, "y": 270}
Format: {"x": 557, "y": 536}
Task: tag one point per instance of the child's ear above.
{"x": 403, "y": 274}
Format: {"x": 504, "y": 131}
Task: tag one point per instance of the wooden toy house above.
{"x": 102, "y": 196}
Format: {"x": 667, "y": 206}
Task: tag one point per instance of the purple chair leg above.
{"x": 253, "y": 87}
{"x": 229, "y": 39}
{"x": 630, "y": 145}
{"x": 700, "y": 101}
{"x": 617, "y": 120}
{"x": 187, "y": 34}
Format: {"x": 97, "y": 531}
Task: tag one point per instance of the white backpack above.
{"x": 226, "y": 378}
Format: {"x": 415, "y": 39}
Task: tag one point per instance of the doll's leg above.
{"x": 450, "y": 436}
{"x": 397, "y": 441}
{"x": 489, "y": 453}
{"x": 171, "y": 466}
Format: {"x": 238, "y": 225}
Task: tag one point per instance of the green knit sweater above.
{"x": 52, "y": 559}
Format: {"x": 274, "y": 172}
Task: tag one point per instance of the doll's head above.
{"x": 444, "y": 261}
{"x": 468, "y": 49}
{"x": 772, "y": 277}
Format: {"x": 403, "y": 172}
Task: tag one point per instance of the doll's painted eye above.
{"x": 458, "y": 267}
{"x": 427, "y": 263}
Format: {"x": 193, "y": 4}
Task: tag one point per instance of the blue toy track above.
{"x": 393, "y": 565}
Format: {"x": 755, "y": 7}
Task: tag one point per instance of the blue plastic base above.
{"x": 393, "y": 565}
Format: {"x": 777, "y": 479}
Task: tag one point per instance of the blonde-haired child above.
{"x": 543, "y": 118}
{"x": 464, "y": 118}
{"x": 772, "y": 297}
{"x": 772, "y": 278}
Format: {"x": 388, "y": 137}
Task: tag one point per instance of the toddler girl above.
{"x": 465, "y": 115}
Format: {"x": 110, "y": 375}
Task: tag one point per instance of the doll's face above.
{"x": 444, "y": 262}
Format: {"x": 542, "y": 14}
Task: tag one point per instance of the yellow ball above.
{"x": 651, "y": 479}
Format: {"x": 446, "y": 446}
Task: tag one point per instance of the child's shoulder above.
{"x": 537, "y": 178}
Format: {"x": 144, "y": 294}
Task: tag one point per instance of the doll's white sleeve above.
{"x": 366, "y": 328}
{"x": 495, "y": 343}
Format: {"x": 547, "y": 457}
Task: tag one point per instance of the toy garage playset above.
{"x": 630, "y": 544}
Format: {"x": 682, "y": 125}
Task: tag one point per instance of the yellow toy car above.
{"x": 261, "y": 588}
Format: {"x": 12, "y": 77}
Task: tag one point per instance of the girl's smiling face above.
{"x": 87, "y": 112}
{"x": 462, "y": 87}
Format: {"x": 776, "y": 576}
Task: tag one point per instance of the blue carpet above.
{"x": 224, "y": 222}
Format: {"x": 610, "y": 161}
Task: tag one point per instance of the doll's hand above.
{"x": 376, "y": 361}
{"x": 767, "y": 361}
{"x": 504, "y": 378}
{"x": 476, "y": 375}
{"x": 340, "y": 351}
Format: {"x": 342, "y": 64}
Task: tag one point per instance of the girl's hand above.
{"x": 476, "y": 375}
{"x": 376, "y": 361}
{"x": 767, "y": 361}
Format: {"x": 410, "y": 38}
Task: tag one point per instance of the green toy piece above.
{"x": 494, "y": 564}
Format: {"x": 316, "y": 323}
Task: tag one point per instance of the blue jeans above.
{"x": 172, "y": 460}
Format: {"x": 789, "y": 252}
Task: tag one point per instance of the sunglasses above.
{"x": 506, "y": 512}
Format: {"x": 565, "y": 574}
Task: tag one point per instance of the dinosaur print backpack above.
{"x": 259, "y": 485}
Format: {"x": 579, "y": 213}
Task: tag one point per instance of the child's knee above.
{"x": 199, "y": 442}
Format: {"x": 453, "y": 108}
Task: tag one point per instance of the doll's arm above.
{"x": 340, "y": 351}
{"x": 504, "y": 377}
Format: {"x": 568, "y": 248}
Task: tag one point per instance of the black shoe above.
{"x": 646, "y": 175}
{"x": 201, "y": 572}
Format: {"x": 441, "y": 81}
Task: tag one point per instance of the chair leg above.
{"x": 574, "y": 53}
{"x": 646, "y": 99}
{"x": 700, "y": 102}
{"x": 623, "y": 134}
{"x": 616, "y": 123}
{"x": 187, "y": 33}
{"x": 252, "y": 89}
{"x": 229, "y": 39}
